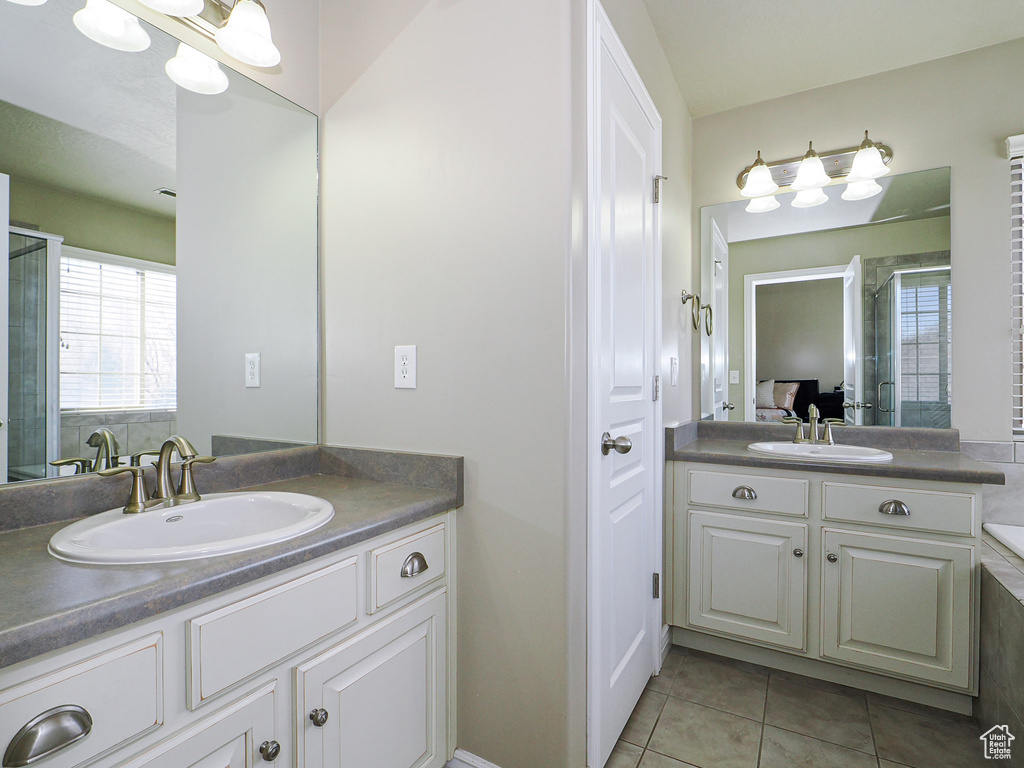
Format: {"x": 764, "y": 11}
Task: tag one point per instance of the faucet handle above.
{"x": 187, "y": 485}
{"x": 139, "y": 495}
{"x": 82, "y": 466}
{"x": 829, "y": 437}
{"x": 799, "y": 428}
{"x": 136, "y": 458}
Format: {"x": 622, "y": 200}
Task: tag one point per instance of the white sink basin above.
{"x": 218, "y": 524}
{"x": 821, "y": 452}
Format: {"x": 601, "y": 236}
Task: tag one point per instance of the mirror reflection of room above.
{"x": 845, "y": 306}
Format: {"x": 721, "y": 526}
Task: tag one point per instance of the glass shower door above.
{"x": 885, "y": 357}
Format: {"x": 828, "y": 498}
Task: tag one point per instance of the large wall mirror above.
{"x": 160, "y": 270}
{"x": 846, "y": 305}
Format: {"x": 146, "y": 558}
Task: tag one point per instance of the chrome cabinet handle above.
{"x": 319, "y": 717}
{"x": 414, "y": 565}
{"x": 270, "y": 750}
{"x": 619, "y": 444}
{"x": 48, "y": 733}
{"x": 831, "y": 558}
{"x": 744, "y": 492}
{"x": 894, "y": 507}
{"x": 798, "y": 553}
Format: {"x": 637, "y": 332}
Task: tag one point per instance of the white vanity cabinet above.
{"x": 362, "y": 636}
{"x": 875, "y": 574}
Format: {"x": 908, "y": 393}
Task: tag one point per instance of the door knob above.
{"x": 619, "y": 444}
{"x": 728, "y": 406}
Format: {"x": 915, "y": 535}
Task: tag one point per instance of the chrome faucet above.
{"x": 813, "y": 415}
{"x": 107, "y": 449}
{"x": 186, "y": 487}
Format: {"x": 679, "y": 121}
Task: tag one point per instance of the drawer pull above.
{"x": 744, "y": 492}
{"x": 894, "y": 507}
{"x": 270, "y": 750}
{"x": 832, "y": 558}
{"x": 798, "y": 553}
{"x": 318, "y": 717}
{"x": 46, "y": 734}
{"x": 414, "y": 565}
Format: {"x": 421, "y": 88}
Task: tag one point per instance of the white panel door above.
{"x": 384, "y": 694}
{"x": 719, "y": 323}
{"x": 625, "y": 500}
{"x": 896, "y": 604}
{"x": 748, "y": 577}
{"x": 853, "y": 342}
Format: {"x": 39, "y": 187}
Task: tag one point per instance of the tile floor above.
{"x": 711, "y": 712}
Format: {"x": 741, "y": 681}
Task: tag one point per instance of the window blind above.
{"x": 117, "y": 335}
{"x": 1015, "y": 151}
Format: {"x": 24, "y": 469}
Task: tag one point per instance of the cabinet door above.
{"x": 748, "y": 578}
{"x": 898, "y": 605}
{"x": 229, "y": 738}
{"x": 384, "y": 692}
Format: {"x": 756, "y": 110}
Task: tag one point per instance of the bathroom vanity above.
{"x": 863, "y": 574}
{"x": 344, "y": 646}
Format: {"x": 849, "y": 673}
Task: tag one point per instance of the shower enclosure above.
{"x": 913, "y": 348}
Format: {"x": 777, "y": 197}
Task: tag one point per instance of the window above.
{"x": 117, "y": 333}
{"x": 1015, "y": 151}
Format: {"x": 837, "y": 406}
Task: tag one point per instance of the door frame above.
{"x": 750, "y": 284}
{"x": 601, "y": 31}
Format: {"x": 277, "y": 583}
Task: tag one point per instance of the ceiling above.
{"x": 78, "y": 116}
{"x": 729, "y": 53}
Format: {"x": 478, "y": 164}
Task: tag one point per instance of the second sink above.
{"x": 821, "y": 452}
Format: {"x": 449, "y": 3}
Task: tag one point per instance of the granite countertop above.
{"x": 944, "y": 466}
{"x": 46, "y": 603}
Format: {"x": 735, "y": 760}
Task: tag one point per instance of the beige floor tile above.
{"x": 669, "y": 668}
{"x": 624, "y": 755}
{"x": 840, "y": 718}
{"x": 705, "y": 737}
{"x": 645, "y": 715}
{"x": 920, "y": 709}
{"x": 921, "y": 741}
{"x": 737, "y": 689}
{"x": 654, "y": 760}
{"x": 813, "y": 682}
{"x": 889, "y": 764}
{"x": 783, "y": 749}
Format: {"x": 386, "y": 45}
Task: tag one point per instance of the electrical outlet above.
{"x": 734, "y": 377}
{"x": 405, "y": 367}
{"x": 252, "y": 369}
{"x": 673, "y": 368}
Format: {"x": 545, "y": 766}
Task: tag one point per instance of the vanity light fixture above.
{"x": 176, "y": 7}
{"x": 762, "y": 204}
{"x": 103, "y": 22}
{"x": 811, "y": 173}
{"x": 196, "y": 72}
{"x": 246, "y": 35}
{"x": 808, "y": 198}
{"x": 861, "y": 190}
{"x": 868, "y": 163}
{"x": 759, "y": 180}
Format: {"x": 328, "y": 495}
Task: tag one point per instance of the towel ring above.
{"x": 709, "y": 322}
{"x": 696, "y": 306}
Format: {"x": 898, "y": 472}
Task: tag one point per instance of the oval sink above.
{"x": 821, "y": 452}
{"x": 218, "y": 524}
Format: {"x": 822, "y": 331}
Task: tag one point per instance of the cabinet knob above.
{"x": 270, "y": 750}
{"x": 831, "y": 558}
{"x": 798, "y": 553}
{"x": 745, "y": 492}
{"x": 414, "y": 565}
{"x": 318, "y": 717}
{"x": 894, "y": 507}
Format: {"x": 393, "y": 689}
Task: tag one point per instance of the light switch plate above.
{"x": 674, "y": 371}
{"x": 252, "y": 369}
{"x": 405, "y": 367}
{"x": 734, "y": 377}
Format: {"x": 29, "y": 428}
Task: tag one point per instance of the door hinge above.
{"x": 656, "y": 389}
{"x": 657, "y": 586}
{"x": 657, "y": 187}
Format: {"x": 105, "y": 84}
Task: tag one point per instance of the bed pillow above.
{"x": 785, "y": 393}
{"x": 765, "y": 394}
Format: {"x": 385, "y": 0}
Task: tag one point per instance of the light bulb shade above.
{"x": 861, "y": 190}
{"x": 176, "y": 7}
{"x": 196, "y": 71}
{"x": 27, "y": 2}
{"x": 246, "y": 35}
{"x": 808, "y": 198}
{"x": 867, "y": 164}
{"x": 811, "y": 173}
{"x": 762, "y": 204}
{"x": 105, "y": 23}
{"x": 759, "y": 180}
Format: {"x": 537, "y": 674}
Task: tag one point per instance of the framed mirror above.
{"x": 161, "y": 269}
{"x": 846, "y": 305}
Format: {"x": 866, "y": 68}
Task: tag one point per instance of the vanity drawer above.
{"x": 120, "y": 690}
{"x": 780, "y": 495}
{"x": 403, "y": 566}
{"x": 230, "y": 644}
{"x": 935, "y": 511}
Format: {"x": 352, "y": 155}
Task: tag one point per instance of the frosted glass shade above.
{"x": 861, "y": 190}
{"x": 246, "y": 35}
{"x": 867, "y": 164}
{"x": 196, "y": 71}
{"x": 27, "y": 2}
{"x": 811, "y": 173}
{"x": 809, "y": 198}
{"x": 175, "y": 7}
{"x": 108, "y": 25}
{"x": 759, "y": 180}
{"x": 762, "y": 204}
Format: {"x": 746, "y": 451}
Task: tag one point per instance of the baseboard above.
{"x": 464, "y": 759}
{"x": 666, "y": 642}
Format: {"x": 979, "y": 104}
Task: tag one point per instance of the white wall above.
{"x": 955, "y": 111}
{"x": 246, "y": 265}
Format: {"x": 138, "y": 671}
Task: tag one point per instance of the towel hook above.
{"x": 695, "y": 317}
